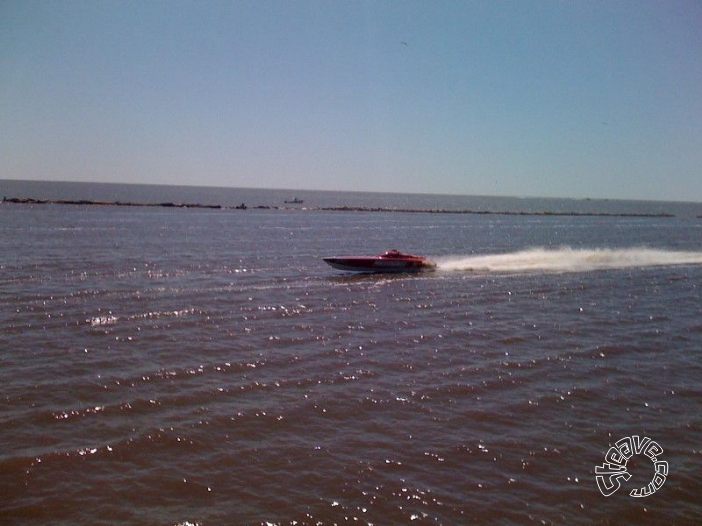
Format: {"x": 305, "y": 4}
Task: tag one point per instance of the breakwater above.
{"x": 490, "y": 212}
{"x": 243, "y": 206}
{"x": 90, "y": 202}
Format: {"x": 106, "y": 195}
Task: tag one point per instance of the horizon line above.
{"x": 280, "y": 189}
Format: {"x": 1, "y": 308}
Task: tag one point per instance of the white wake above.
{"x": 567, "y": 259}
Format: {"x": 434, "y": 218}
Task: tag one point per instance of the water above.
{"x": 173, "y": 366}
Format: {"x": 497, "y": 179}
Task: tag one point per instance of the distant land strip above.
{"x": 90, "y": 202}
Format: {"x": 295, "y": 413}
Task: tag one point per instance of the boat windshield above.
{"x": 394, "y": 254}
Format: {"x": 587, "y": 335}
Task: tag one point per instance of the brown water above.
{"x": 205, "y": 367}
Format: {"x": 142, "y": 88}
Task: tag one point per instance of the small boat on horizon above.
{"x": 294, "y": 201}
{"x": 389, "y": 261}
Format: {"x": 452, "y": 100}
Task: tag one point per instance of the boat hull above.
{"x": 381, "y": 263}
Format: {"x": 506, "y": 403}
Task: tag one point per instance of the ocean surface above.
{"x": 172, "y": 366}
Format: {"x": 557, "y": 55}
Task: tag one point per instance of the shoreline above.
{"x": 89, "y": 202}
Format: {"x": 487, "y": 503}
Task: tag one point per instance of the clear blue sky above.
{"x": 586, "y": 98}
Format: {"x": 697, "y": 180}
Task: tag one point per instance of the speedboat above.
{"x": 389, "y": 261}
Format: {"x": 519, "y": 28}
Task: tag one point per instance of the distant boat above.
{"x": 294, "y": 201}
{"x": 390, "y": 261}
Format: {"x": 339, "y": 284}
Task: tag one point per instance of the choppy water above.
{"x": 170, "y": 366}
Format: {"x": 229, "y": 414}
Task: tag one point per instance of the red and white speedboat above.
{"x": 390, "y": 261}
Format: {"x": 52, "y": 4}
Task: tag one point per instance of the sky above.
{"x": 578, "y": 99}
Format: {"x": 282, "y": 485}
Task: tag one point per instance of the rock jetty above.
{"x": 90, "y": 202}
{"x": 242, "y": 206}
